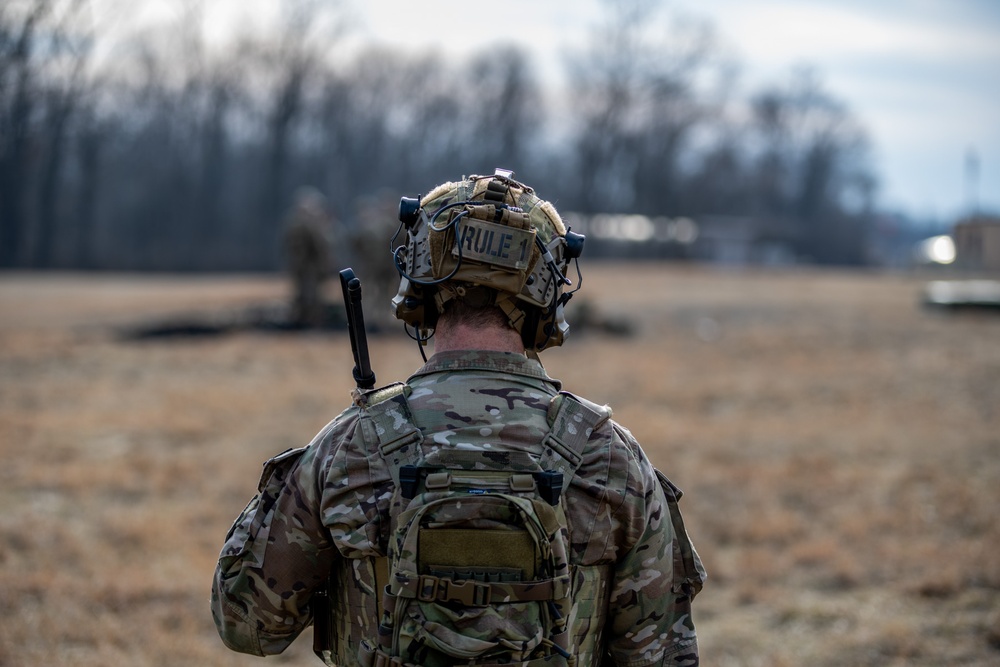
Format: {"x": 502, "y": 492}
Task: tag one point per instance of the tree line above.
{"x": 161, "y": 151}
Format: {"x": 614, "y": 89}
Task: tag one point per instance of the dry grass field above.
{"x": 839, "y": 447}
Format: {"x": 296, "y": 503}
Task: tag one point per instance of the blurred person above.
{"x": 375, "y": 214}
{"x": 475, "y": 514}
{"x": 307, "y": 240}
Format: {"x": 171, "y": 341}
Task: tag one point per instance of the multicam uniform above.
{"x": 327, "y": 507}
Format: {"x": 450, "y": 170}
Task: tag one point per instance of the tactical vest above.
{"x": 447, "y": 567}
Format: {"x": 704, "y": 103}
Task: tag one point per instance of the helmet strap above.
{"x": 515, "y": 315}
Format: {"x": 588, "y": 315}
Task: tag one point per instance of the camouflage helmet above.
{"x": 486, "y": 240}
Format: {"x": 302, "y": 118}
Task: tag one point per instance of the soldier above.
{"x": 475, "y": 514}
{"x": 307, "y": 255}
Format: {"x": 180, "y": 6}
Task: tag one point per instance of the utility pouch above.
{"x": 689, "y": 571}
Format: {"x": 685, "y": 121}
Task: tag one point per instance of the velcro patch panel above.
{"x": 495, "y": 244}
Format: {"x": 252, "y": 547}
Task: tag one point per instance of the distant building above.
{"x": 977, "y": 243}
{"x": 743, "y": 241}
{"x": 715, "y": 239}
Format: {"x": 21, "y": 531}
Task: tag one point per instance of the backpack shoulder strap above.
{"x": 390, "y": 433}
{"x": 387, "y": 424}
{"x": 572, "y": 420}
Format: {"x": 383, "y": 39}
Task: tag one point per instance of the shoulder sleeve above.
{"x": 649, "y": 620}
{"x": 278, "y": 551}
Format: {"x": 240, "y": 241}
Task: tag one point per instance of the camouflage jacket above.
{"x": 327, "y": 508}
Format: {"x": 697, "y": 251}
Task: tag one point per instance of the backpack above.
{"x": 478, "y": 565}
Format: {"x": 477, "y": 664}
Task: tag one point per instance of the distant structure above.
{"x": 307, "y": 246}
{"x": 716, "y": 239}
{"x": 977, "y": 243}
{"x": 744, "y": 241}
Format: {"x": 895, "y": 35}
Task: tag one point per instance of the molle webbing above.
{"x": 472, "y": 593}
{"x": 455, "y": 576}
{"x": 379, "y": 658}
{"x": 500, "y": 215}
{"x": 498, "y": 189}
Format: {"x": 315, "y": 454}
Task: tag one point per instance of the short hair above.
{"x": 475, "y": 315}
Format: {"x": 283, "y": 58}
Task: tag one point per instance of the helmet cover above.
{"x": 486, "y": 240}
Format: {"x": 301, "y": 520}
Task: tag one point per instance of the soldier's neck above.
{"x": 456, "y": 336}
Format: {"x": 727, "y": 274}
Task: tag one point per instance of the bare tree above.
{"x": 91, "y": 139}
{"x": 70, "y": 42}
{"x": 641, "y": 92}
{"x": 504, "y": 107}
{"x": 360, "y": 107}
{"x": 605, "y": 83}
{"x": 170, "y": 154}
{"x": 811, "y": 167}
{"x": 283, "y": 69}
{"x": 19, "y": 27}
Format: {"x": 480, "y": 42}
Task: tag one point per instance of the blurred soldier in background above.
{"x": 307, "y": 239}
{"x": 370, "y": 256}
{"x": 475, "y": 514}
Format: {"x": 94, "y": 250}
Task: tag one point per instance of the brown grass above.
{"x": 839, "y": 448}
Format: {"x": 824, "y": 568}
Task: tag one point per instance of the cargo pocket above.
{"x": 248, "y": 534}
{"x": 689, "y": 572}
{"x": 240, "y": 534}
{"x": 468, "y": 634}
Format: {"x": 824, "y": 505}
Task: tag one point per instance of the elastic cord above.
{"x": 452, "y": 223}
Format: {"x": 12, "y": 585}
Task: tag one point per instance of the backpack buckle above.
{"x": 437, "y": 481}
{"x": 427, "y": 588}
{"x": 409, "y": 479}
{"x": 469, "y": 593}
{"x": 550, "y": 483}
{"x": 440, "y": 589}
{"x": 522, "y": 483}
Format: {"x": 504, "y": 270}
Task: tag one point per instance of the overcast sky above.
{"x": 923, "y": 76}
